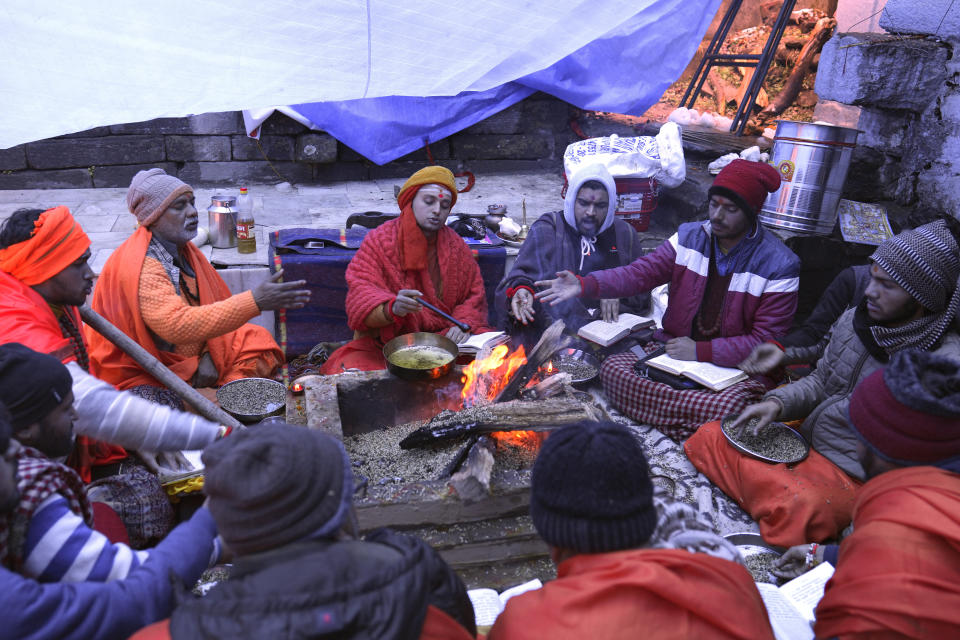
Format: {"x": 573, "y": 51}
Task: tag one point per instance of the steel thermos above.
{"x": 222, "y": 217}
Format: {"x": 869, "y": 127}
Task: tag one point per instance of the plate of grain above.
{"x": 581, "y": 366}
{"x": 775, "y": 443}
{"x": 759, "y": 556}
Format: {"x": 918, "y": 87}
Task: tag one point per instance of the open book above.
{"x": 709, "y": 375}
{"x": 475, "y": 343}
{"x": 791, "y": 607}
{"x": 606, "y": 333}
{"x": 487, "y": 603}
{"x": 169, "y": 476}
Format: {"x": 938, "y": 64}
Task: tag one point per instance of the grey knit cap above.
{"x": 151, "y": 192}
{"x": 271, "y": 485}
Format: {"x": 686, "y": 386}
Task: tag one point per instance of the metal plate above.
{"x": 773, "y": 425}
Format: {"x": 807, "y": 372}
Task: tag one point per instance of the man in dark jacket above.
{"x": 283, "y": 497}
{"x": 583, "y": 238}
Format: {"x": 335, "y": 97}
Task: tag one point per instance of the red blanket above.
{"x": 116, "y": 298}
{"x": 641, "y": 593}
{"x": 810, "y": 501}
{"x": 898, "y": 574}
{"x": 374, "y": 277}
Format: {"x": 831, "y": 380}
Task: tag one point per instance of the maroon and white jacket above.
{"x": 759, "y": 303}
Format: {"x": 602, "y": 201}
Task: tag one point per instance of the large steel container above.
{"x": 812, "y": 160}
{"x": 222, "y": 219}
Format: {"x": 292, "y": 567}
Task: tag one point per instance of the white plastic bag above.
{"x": 659, "y": 157}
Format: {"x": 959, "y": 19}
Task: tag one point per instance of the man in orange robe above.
{"x": 44, "y": 276}
{"x": 592, "y": 502}
{"x": 898, "y": 574}
{"x": 160, "y": 290}
{"x": 415, "y": 256}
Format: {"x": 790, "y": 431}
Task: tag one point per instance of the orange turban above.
{"x": 427, "y": 175}
{"x": 57, "y": 241}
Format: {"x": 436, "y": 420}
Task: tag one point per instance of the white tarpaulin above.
{"x": 72, "y": 65}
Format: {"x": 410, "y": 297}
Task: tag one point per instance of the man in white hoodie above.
{"x": 583, "y": 238}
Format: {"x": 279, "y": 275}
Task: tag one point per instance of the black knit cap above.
{"x": 32, "y": 384}
{"x": 591, "y": 490}
{"x": 274, "y": 484}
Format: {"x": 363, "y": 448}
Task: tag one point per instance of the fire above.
{"x": 529, "y": 440}
{"x": 484, "y": 378}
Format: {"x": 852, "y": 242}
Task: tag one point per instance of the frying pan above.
{"x": 411, "y": 342}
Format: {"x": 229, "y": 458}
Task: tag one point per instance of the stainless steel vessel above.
{"x": 812, "y": 160}
{"x": 222, "y": 219}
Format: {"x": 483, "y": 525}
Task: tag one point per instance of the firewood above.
{"x": 769, "y": 11}
{"x": 513, "y": 415}
{"x": 550, "y": 342}
{"x": 550, "y": 386}
{"x": 791, "y": 88}
{"x": 720, "y": 90}
{"x": 472, "y": 481}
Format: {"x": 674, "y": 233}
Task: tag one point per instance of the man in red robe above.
{"x": 898, "y": 574}
{"x": 415, "y": 256}
{"x": 592, "y": 501}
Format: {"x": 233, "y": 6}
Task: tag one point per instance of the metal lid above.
{"x": 223, "y": 200}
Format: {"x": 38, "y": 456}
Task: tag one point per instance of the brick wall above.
{"x": 212, "y": 148}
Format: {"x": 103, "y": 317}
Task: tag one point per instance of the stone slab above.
{"x": 240, "y": 171}
{"x": 495, "y": 147}
{"x": 874, "y": 69}
{"x": 316, "y": 148}
{"x": 88, "y": 152}
{"x": 13, "y": 159}
{"x": 60, "y": 179}
{"x": 506, "y": 121}
{"x": 219, "y": 123}
{"x": 120, "y": 175}
{"x": 277, "y": 148}
{"x": 281, "y": 124}
{"x": 927, "y": 17}
{"x": 197, "y": 148}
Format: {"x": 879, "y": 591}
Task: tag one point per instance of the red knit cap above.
{"x": 909, "y": 411}
{"x": 747, "y": 183}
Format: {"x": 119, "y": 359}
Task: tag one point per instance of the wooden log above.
{"x": 548, "y": 387}
{"x": 513, "y": 415}
{"x": 321, "y": 405}
{"x": 791, "y": 88}
{"x": 157, "y": 369}
{"x": 721, "y": 91}
{"x": 550, "y": 342}
{"x": 472, "y": 481}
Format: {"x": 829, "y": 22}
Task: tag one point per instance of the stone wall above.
{"x": 212, "y": 148}
{"x": 907, "y": 83}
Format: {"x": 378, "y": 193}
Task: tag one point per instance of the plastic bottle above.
{"x": 246, "y": 238}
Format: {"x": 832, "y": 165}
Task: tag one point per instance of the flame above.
{"x": 529, "y": 440}
{"x": 484, "y": 378}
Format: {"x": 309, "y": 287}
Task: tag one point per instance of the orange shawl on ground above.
{"x": 654, "y": 594}
{"x": 25, "y": 317}
{"x": 898, "y": 574}
{"x": 810, "y": 501}
{"x": 116, "y": 298}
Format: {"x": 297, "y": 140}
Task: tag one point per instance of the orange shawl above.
{"x": 116, "y": 298}
{"x": 898, "y": 574}
{"x": 641, "y": 593}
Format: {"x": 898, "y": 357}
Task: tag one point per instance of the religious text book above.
{"x": 488, "y": 604}
{"x": 477, "y": 342}
{"x": 706, "y": 373}
{"x": 791, "y": 606}
{"x": 606, "y": 333}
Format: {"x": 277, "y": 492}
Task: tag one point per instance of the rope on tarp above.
{"x": 471, "y": 179}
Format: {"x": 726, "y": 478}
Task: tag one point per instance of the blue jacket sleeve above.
{"x": 108, "y": 610}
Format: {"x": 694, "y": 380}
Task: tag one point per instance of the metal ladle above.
{"x": 463, "y": 326}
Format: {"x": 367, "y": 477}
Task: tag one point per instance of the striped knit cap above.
{"x": 924, "y": 261}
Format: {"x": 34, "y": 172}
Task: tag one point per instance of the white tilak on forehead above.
{"x": 436, "y": 189}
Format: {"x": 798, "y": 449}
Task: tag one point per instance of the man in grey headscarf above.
{"x": 583, "y": 238}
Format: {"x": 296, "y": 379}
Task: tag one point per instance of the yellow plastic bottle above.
{"x": 246, "y": 237}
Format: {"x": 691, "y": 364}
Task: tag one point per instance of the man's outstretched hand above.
{"x": 272, "y": 294}
{"x": 767, "y": 411}
{"x": 566, "y": 286}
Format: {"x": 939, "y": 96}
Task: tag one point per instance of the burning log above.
{"x": 550, "y": 342}
{"x": 472, "y": 481}
{"x": 552, "y": 386}
{"x": 513, "y": 415}
{"x": 791, "y": 88}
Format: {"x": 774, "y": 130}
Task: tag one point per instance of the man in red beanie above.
{"x": 415, "y": 256}
{"x": 898, "y": 573}
{"x": 733, "y": 285}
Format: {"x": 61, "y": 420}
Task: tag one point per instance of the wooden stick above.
{"x": 794, "y": 82}
{"x": 550, "y": 342}
{"x": 472, "y": 482}
{"x": 157, "y": 369}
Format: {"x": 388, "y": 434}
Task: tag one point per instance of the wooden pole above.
{"x": 157, "y": 369}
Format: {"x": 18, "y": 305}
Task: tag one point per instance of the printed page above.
{"x": 787, "y": 622}
{"x": 717, "y": 378}
{"x": 476, "y": 342}
{"x": 668, "y": 364}
{"x": 603, "y": 333}
{"x": 631, "y": 321}
{"x": 806, "y": 591}
{"x": 486, "y": 606}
